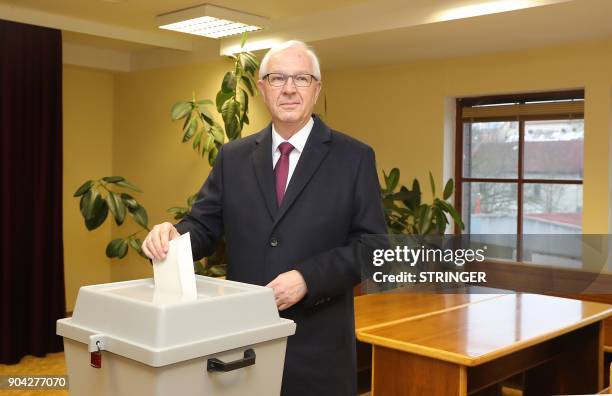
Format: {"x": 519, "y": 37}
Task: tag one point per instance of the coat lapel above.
{"x": 262, "y": 162}
{"x": 315, "y": 150}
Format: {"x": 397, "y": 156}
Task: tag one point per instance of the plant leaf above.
{"x": 229, "y": 82}
{"x": 190, "y": 129}
{"x": 198, "y": 139}
{"x": 440, "y": 220}
{"x": 217, "y": 131}
{"x": 423, "y": 218}
{"x": 180, "y": 110}
{"x": 112, "y": 249}
{"x": 126, "y": 184}
{"x": 116, "y": 206}
{"x": 136, "y": 244}
{"x": 252, "y": 62}
{"x": 393, "y": 179}
{"x": 229, "y": 110}
{"x": 217, "y": 270}
{"x": 192, "y": 199}
{"x": 113, "y": 179}
{"x": 129, "y": 201}
{"x": 242, "y": 61}
{"x": 426, "y": 224}
{"x": 249, "y": 66}
{"x": 411, "y": 197}
{"x": 448, "y": 189}
{"x": 207, "y": 117}
{"x": 244, "y": 101}
{"x": 248, "y": 84}
{"x": 230, "y": 117}
{"x": 84, "y": 202}
{"x": 212, "y": 155}
{"x": 402, "y": 195}
{"x": 233, "y": 129}
{"x": 96, "y": 213}
{"x": 433, "y": 185}
{"x": 221, "y": 98}
{"x": 87, "y": 201}
{"x": 209, "y": 143}
{"x": 416, "y": 187}
{"x": 122, "y": 250}
{"x": 140, "y": 216}
{"x": 199, "y": 268}
{"x": 243, "y": 39}
{"x": 204, "y": 102}
{"x": 84, "y": 188}
{"x": 385, "y": 179}
{"x": 448, "y": 208}
{"x": 187, "y": 121}
{"x": 178, "y": 212}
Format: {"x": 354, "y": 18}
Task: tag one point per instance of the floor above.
{"x": 52, "y": 364}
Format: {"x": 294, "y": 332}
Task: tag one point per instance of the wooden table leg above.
{"x": 397, "y": 373}
{"x": 578, "y": 368}
{"x": 581, "y": 369}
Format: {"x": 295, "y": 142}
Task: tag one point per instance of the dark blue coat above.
{"x": 331, "y": 201}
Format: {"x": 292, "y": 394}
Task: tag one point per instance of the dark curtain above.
{"x": 31, "y": 252}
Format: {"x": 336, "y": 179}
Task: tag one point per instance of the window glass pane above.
{"x": 490, "y": 149}
{"x": 489, "y": 208}
{"x": 552, "y": 208}
{"x": 554, "y": 149}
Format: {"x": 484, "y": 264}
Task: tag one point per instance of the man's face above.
{"x": 289, "y": 103}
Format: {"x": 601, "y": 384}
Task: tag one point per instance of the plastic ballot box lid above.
{"x": 134, "y": 320}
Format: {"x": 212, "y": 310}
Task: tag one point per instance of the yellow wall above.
{"x": 400, "y": 109}
{"x": 88, "y": 136}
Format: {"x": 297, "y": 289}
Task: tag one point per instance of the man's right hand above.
{"x": 155, "y": 245}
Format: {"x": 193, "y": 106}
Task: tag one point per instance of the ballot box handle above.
{"x": 215, "y": 364}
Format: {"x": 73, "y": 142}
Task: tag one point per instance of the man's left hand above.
{"x": 289, "y": 288}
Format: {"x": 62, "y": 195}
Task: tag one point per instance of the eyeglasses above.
{"x": 280, "y": 79}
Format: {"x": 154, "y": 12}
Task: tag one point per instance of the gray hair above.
{"x": 263, "y": 67}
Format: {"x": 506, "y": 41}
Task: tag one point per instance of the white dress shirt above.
{"x": 298, "y": 141}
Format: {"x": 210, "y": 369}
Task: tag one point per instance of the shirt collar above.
{"x": 298, "y": 140}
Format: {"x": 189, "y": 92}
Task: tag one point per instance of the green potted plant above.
{"x": 406, "y": 213}
{"x": 412, "y": 222}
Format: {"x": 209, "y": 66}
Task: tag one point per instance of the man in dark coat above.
{"x": 294, "y": 202}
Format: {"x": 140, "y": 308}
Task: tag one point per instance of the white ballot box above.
{"x": 126, "y": 338}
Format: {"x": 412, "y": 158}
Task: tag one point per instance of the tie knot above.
{"x": 285, "y": 148}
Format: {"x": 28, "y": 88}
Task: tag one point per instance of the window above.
{"x": 519, "y": 164}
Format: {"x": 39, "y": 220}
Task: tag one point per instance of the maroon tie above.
{"x": 281, "y": 171}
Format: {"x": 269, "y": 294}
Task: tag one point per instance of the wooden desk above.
{"x": 376, "y": 310}
{"x": 465, "y": 344}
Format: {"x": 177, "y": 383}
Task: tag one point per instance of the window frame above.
{"x": 520, "y": 180}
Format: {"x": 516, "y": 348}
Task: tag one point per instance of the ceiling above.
{"x": 343, "y": 32}
{"x": 141, "y": 14}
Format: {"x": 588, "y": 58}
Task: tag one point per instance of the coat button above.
{"x": 273, "y": 242}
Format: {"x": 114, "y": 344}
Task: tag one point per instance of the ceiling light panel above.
{"x": 211, "y": 21}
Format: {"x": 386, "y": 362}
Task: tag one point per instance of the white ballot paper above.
{"x": 174, "y": 276}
